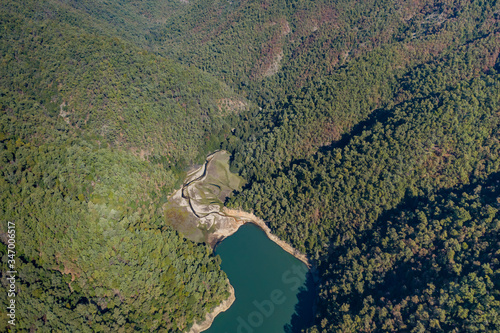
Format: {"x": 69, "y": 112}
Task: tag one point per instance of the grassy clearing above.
{"x": 220, "y": 181}
{"x": 184, "y": 222}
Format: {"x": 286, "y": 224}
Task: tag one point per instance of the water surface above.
{"x": 268, "y": 283}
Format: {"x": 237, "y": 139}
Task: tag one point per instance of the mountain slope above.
{"x": 375, "y": 119}
{"x": 430, "y": 265}
{"x": 94, "y": 134}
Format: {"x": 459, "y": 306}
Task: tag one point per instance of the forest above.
{"x": 95, "y": 134}
{"x": 367, "y": 131}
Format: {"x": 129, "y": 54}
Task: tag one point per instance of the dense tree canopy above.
{"x": 95, "y": 133}
{"x": 368, "y": 133}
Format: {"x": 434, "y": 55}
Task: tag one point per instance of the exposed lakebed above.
{"x": 272, "y": 282}
{"x": 196, "y": 210}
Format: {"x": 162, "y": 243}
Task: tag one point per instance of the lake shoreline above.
{"x": 241, "y": 217}
{"x": 222, "y": 223}
{"x": 210, "y": 317}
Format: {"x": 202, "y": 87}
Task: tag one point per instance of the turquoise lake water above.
{"x": 273, "y": 289}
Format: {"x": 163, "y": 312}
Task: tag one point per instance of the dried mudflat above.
{"x": 196, "y": 210}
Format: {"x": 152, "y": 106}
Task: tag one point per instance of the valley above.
{"x": 161, "y": 160}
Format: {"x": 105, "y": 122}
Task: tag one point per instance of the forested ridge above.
{"x": 95, "y": 133}
{"x": 431, "y": 265}
{"x": 440, "y": 131}
{"x": 435, "y": 139}
{"x": 400, "y": 132}
{"x": 368, "y": 133}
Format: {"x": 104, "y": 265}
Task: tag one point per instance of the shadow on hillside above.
{"x": 407, "y": 276}
{"x": 377, "y": 116}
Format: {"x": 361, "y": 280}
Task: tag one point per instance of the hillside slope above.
{"x": 331, "y": 161}
{"x": 95, "y": 132}
{"x": 368, "y": 133}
